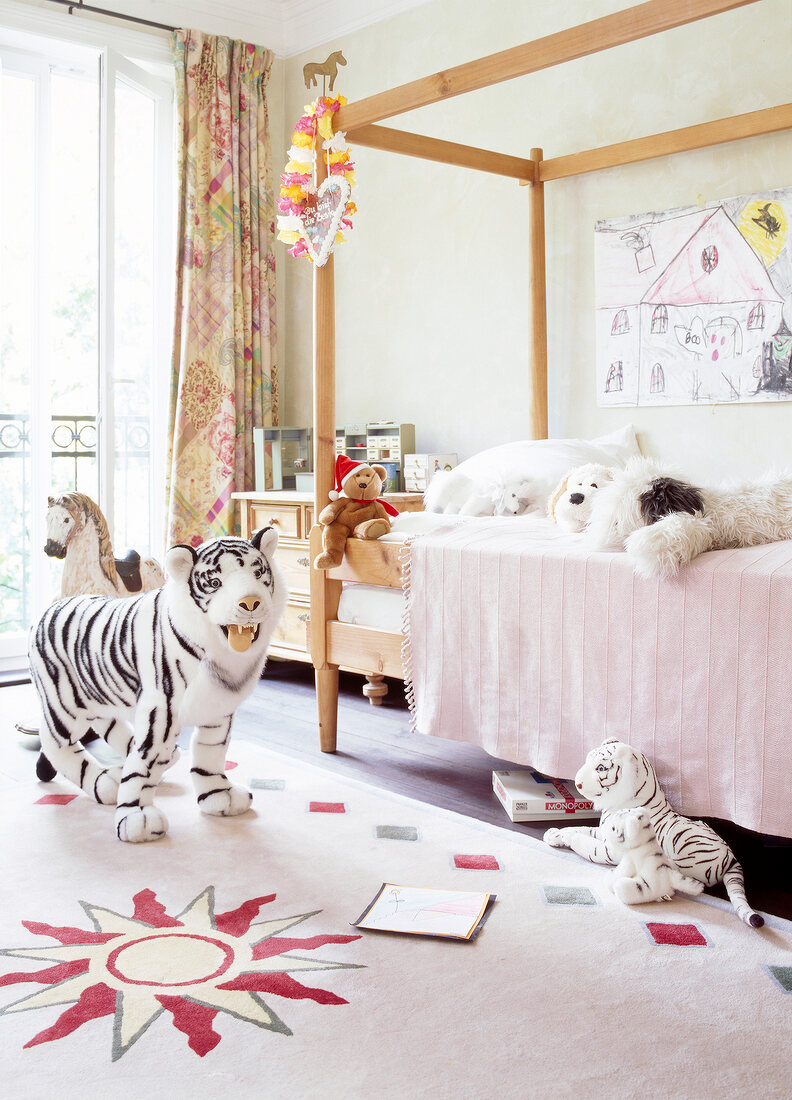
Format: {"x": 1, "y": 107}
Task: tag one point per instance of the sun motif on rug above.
{"x": 193, "y": 966}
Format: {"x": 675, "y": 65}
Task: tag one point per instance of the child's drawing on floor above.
{"x": 425, "y": 912}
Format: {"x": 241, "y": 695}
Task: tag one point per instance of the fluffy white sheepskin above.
{"x": 747, "y": 514}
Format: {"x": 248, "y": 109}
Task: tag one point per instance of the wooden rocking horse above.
{"x": 77, "y": 532}
{"x": 325, "y": 69}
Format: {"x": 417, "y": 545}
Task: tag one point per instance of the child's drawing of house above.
{"x": 685, "y": 307}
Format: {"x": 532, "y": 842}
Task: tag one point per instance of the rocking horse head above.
{"x": 67, "y": 516}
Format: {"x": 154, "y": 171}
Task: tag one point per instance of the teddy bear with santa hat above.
{"x": 356, "y": 509}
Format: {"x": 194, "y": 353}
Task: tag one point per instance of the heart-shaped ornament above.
{"x": 321, "y": 218}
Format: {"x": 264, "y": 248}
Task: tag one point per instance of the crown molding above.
{"x": 308, "y": 24}
{"x": 287, "y": 27}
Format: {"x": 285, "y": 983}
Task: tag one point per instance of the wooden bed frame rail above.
{"x": 583, "y": 40}
{"x": 334, "y": 643}
{"x": 770, "y": 120}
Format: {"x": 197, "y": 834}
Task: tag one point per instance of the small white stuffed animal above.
{"x": 571, "y": 501}
{"x": 643, "y": 873}
{"x": 664, "y": 522}
{"x": 614, "y": 777}
{"x": 454, "y": 493}
{"x": 512, "y": 498}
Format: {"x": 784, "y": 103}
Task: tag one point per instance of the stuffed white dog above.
{"x": 572, "y": 499}
{"x": 663, "y": 522}
{"x": 643, "y": 873}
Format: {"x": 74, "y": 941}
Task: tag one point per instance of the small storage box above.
{"x": 420, "y": 469}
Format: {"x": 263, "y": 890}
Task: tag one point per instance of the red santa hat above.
{"x": 344, "y": 469}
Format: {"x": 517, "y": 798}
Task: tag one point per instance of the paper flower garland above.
{"x": 311, "y": 217}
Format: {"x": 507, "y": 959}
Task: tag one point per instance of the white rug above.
{"x": 221, "y": 960}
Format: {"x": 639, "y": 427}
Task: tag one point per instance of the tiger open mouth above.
{"x": 241, "y": 638}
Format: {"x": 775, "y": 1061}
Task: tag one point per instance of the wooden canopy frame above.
{"x": 334, "y": 643}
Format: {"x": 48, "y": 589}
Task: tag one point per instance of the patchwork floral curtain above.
{"x": 225, "y": 375}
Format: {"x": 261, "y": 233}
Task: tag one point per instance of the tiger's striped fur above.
{"x": 135, "y": 671}
{"x": 616, "y": 777}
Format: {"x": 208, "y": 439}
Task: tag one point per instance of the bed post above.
{"x": 325, "y": 593}
{"x": 538, "y": 303}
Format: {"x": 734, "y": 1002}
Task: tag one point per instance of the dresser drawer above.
{"x": 292, "y": 631}
{"x": 295, "y": 561}
{"x": 285, "y": 518}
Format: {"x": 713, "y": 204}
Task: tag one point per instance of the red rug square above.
{"x": 55, "y": 800}
{"x": 680, "y": 935}
{"x": 326, "y": 808}
{"x": 476, "y": 863}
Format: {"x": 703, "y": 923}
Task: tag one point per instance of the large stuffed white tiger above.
{"x": 616, "y": 777}
{"x": 136, "y": 671}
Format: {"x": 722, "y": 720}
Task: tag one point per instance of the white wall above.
{"x": 432, "y": 285}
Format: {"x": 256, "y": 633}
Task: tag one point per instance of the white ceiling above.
{"x": 288, "y": 27}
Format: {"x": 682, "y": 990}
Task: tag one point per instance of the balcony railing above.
{"x": 74, "y": 437}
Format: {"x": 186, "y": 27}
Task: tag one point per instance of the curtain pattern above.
{"x": 225, "y": 376}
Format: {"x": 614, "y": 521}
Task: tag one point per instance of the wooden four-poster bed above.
{"x": 335, "y": 643}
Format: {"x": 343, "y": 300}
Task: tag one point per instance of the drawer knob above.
{"x": 305, "y": 617}
{"x": 274, "y": 521}
{"x": 304, "y": 562}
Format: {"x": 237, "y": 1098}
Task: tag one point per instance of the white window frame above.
{"x": 115, "y": 67}
{"x": 72, "y": 42}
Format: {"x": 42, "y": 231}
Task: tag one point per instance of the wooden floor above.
{"x": 376, "y": 746}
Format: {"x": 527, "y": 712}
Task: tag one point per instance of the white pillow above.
{"x": 543, "y": 462}
{"x": 547, "y": 460}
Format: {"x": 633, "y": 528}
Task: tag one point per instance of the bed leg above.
{"x": 375, "y": 689}
{"x": 327, "y": 703}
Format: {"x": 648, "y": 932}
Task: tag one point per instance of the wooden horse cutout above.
{"x": 328, "y": 68}
{"x": 77, "y": 532}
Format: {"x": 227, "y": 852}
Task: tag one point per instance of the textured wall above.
{"x": 432, "y": 286}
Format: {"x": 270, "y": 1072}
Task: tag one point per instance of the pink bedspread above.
{"x": 537, "y": 650}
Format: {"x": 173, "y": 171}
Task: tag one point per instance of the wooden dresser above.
{"x": 292, "y": 514}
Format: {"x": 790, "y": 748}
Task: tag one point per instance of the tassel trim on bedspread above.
{"x": 406, "y": 652}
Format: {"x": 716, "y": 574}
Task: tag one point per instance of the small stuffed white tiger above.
{"x": 643, "y": 872}
{"x": 616, "y": 777}
{"x": 135, "y": 671}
